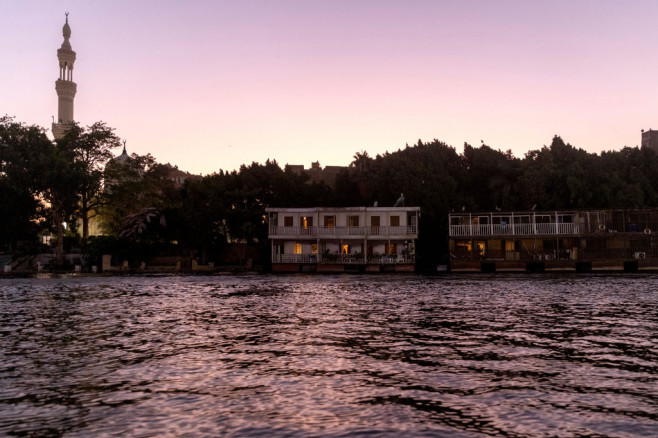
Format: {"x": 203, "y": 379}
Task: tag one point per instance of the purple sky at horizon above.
{"x": 209, "y": 85}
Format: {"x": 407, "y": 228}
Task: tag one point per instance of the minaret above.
{"x": 65, "y": 86}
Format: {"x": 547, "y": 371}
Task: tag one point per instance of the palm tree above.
{"x": 361, "y": 162}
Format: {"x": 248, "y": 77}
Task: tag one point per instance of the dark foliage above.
{"x": 142, "y": 208}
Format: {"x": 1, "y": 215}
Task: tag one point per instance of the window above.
{"x": 314, "y": 248}
{"x": 395, "y": 221}
{"x": 307, "y": 221}
{"x": 353, "y": 221}
{"x": 464, "y": 246}
{"x": 390, "y": 249}
{"x": 330, "y": 221}
{"x": 287, "y": 221}
{"x": 297, "y": 248}
{"x": 345, "y": 249}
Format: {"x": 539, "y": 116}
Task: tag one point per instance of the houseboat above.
{"x": 348, "y": 239}
{"x": 575, "y": 240}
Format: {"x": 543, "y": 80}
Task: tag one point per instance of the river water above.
{"x": 297, "y": 356}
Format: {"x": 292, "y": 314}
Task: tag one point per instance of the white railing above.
{"x": 295, "y": 258}
{"x": 293, "y": 231}
{"x": 513, "y": 229}
{"x": 342, "y": 259}
{"x": 322, "y": 231}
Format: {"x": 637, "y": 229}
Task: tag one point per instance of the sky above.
{"x": 210, "y": 85}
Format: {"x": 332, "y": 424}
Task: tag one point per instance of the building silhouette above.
{"x": 650, "y": 139}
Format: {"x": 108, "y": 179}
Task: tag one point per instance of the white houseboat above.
{"x": 359, "y": 239}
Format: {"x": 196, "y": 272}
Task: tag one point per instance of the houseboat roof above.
{"x": 339, "y": 209}
{"x": 544, "y": 212}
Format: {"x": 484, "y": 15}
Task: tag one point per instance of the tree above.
{"x": 39, "y": 178}
{"x": 89, "y": 149}
{"x": 63, "y": 178}
{"x": 24, "y": 152}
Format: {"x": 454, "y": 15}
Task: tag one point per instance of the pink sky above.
{"x": 210, "y": 85}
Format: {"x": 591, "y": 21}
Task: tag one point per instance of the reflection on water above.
{"x": 329, "y": 356}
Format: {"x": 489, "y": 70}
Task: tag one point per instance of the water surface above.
{"x": 334, "y": 356}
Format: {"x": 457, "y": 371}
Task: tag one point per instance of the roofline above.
{"x": 531, "y": 212}
{"x": 347, "y": 209}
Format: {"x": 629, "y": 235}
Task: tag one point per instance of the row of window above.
{"x": 330, "y": 221}
{"x": 344, "y": 249}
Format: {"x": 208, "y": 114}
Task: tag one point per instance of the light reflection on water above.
{"x": 329, "y": 356}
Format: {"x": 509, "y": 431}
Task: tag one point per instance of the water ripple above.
{"x": 293, "y": 356}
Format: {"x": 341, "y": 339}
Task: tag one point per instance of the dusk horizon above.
{"x": 210, "y": 87}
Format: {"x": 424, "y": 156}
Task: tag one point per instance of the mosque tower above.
{"x": 65, "y": 86}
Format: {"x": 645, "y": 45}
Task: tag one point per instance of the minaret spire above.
{"x": 65, "y": 86}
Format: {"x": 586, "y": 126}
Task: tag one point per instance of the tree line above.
{"x": 45, "y": 184}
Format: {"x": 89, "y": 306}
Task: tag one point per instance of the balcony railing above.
{"x": 552, "y": 228}
{"x": 513, "y": 229}
{"x": 295, "y": 258}
{"x": 343, "y": 259}
{"x": 315, "y": 231}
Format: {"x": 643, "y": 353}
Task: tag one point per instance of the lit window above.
{"x": 297, "y": 248}
{"x": 314, "y": 248}
{"x": 466, "y": 246}
{"x": 345, "y": 249}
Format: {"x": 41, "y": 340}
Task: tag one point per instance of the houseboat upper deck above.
{"x": 537, "y": 223}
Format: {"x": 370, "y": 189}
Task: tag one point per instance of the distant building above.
{"x": 64, "y": 86}
{"x": 164, "y": 171}
{"x": 124, "y": 157}
{"x": 371, "y": 239}
{"x": 650, "y": 139}
{"x": 175, "y": 175}
{"x": 326, "y": 175}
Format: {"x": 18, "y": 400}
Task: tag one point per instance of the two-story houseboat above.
{"x": 576, "y": 240}
{"x": 358, "y": 239}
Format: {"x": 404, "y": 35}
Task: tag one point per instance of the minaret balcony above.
{"x": 66, "y": 55}
{"x": 65, "y": 88}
